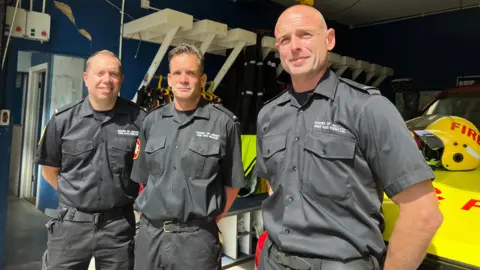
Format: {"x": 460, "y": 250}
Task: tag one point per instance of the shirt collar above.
{"x": 202, "y": 110}
{"x": 327, "y": 87}
{"x": 86, "y": 109}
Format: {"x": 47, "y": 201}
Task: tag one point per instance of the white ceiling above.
{"x": 360, "y": 12}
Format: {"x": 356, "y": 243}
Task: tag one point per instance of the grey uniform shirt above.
{"x": 94, "y": 151}
{"x": 187, "y": 164}
{"x": 328, "y": 163}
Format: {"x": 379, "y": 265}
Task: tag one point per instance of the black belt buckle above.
{"x": 97, "y": 218}
{"x": 165, "y": 226}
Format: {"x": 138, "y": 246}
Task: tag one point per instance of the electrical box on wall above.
{"x": 20, "y": 23}
{"x": 4, "y": 117}
{"x": 28, "y": 24}
{"x": 38, "y": 26}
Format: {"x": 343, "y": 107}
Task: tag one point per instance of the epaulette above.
{"x": 156, "y": 108}
{"x": 67, "y": 107}
{"x": 365, "y": 88}
{"x": 131, "y": 103}
{"x": 225, "y": 110}
{"x": 275, "y": 97}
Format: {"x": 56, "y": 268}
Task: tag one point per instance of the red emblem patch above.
{"x": 137, "y": 149}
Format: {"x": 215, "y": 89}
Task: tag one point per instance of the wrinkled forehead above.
{"x": 295, "y": 22}
{"x": 102, "y": 62}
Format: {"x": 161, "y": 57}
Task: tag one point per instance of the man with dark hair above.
{"x": 191, "y": 162}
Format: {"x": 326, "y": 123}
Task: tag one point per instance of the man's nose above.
{"x": 294, "y": 44}
{"x": 184, "y": 78}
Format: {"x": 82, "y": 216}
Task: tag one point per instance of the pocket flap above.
{"x": 204, "y": 148}
{"x": 76, "y": 147}
{"x": 331, "y": 146}
{"x": 155, "y": 144}
{"x": 125, "y": 144}
{"x": 273, "y": 145}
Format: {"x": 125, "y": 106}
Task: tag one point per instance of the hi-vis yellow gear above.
{"x": 451, "y": 142}
{"x": 256, "y": 185}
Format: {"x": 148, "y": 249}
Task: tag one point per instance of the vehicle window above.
{"x": 465, "y": 105}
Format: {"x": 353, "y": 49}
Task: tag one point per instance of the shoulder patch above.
{"x": 225, "y": 110}
{"x": 67, "y": 107}
{"x": 365, "y": 88}
{"x": 275, "y": 97}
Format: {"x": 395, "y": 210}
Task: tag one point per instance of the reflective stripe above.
{"x": 472, "y": 152}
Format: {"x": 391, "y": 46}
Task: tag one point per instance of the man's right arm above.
{"x": 51, "y": 175}
{"x": 49, "y": 153}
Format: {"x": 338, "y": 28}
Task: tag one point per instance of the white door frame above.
{"x": 33, "y": 117}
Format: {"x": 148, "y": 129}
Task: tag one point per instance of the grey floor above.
{"x": 27, "y": 237}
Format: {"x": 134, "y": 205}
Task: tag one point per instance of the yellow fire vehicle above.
{"x": 447, "y": 132}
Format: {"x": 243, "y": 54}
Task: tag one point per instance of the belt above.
{"x": 175, "y": 226}
{"x": 307, "y": 263}
{"x": 73, "y": 214}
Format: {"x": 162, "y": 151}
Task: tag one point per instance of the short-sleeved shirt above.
{"x": 186, "y": 165}
{"x": 328, "y": 163}
{"x": 94, "y": 151}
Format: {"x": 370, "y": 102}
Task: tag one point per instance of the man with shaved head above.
{"x": 330, "y": 148}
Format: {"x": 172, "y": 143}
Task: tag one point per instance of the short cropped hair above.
{"x": 107, "y": 53}
{"x": 185, "y": 48}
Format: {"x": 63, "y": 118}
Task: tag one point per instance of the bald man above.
{"x": 330, "y": 148}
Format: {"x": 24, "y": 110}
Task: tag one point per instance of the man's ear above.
{"x": 330, "y": 39}
{"x": 169, "y": 79}
{"x": 203, "y": 80}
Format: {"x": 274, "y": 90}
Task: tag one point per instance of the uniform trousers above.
{"x": 75, "y": 237}
{"x": 177, "y": 247}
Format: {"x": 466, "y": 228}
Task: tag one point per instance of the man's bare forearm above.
{"x": 51, "y": 175}
{"x": 231, "y": 194}
{"x": 410, "y": 240}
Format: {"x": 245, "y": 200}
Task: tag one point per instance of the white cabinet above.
{"x": 240, "y": 229}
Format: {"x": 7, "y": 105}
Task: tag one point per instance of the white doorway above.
{"x": 34, "y": 112}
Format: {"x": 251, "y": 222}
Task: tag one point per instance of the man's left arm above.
{"x": 232, "y": 167}
{"x": 401, "y": 170}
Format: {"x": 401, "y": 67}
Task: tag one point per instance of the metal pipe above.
{"x": 413, "y": 17}
{"x": 43, "y": 6}
{"x": 121, "y": 31}
{"x": 10, "y": 33}
{"x": 31, "y": 5}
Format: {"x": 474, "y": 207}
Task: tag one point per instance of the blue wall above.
{"x": 102, "y": 21}
{"x": 434, "y": 49}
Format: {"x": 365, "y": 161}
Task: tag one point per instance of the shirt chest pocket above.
{"x": 201, "y": 159}
{"x": 273, "y": 150}
{"x": 77, "y": 151}
{"x": 155, "y": 155}
{"x": 328, "y": 166}
{"x": 121, "y": 154}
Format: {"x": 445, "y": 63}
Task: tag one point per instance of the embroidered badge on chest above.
{"x": 331, "y": 127}
{"x": 207, "y": 135}
{"x": 125, "y": 132}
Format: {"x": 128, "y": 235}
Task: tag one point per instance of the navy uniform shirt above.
{"x": 94, "y": 151}
{"x": 187, "y": 164}
{"x": 328, "y": 163}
